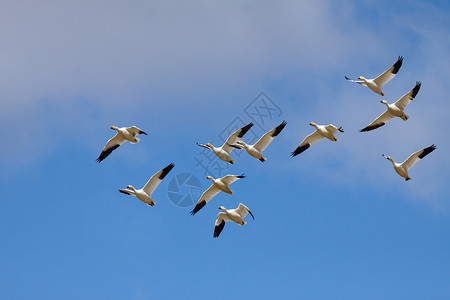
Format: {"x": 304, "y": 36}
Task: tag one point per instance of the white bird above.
{"x": 394, "y": 110}
{"x": 145, "y": 194}
{"x": 220, "y": 184}
{"x": 257, "y": 149}
{"x": 224, "y": 152}
{"x": 403, "y": 168}
{"x": 236, "y": 215}
{"x": 322, "y": 131}
{"x": 376, "y": 84}
{"x": 123, "y": 134}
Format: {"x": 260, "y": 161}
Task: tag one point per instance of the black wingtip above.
{"x": 198, "y": 207}
{"x": 245, "y": 129}
{"x": 251, "y": 214}
{"x": 218, "y": 229}
{"x": 347, "y": 78}
{"x": 427, "y": 151}
{"x": 340, "y": 129}
{"x": 279, "y": 128}
{"x": 299, "y": 150}
{"x": 397, "y": 65}
{"x": 241, "y": 176}
{"x": 143, "y": 132}
{"x": 416, "y": 89}
{"x": 166, "y": 170}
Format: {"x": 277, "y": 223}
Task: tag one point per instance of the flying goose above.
{"x": 376, "y": 84}
{"x": 220, "y": 184}
{"x": 257, "y": 149}
{"x": 224, "y": 152}
{"x": 145, "y": 194}
{"x": 403, "y": 168}
{"x": 394, "y": 110}
{"x": 236, "y": 215}
{"x": 322, "y": 131}
{"x": 123, "y": 134}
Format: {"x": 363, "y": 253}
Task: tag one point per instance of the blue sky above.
{"x": 335, "y": 222}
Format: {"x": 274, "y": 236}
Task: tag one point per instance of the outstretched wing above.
{"x": 156, "y": 179}
{"x": 111, "y": 145}
{"x": 378, "y": 122}
{"x": 408, "y": 97}
{"x": 268, "y": 137}
{"x": 243, "y": 210}
{"x": 333, "y": 129}
{"x": 135, "y": 131}
{"x": 229, "y": 179}
{"x": 222, "y": 218}
{"x": 205, "y": 198}
{"x": 389, "y": 73}
{"x": 357, "y": 81}
{"x": 415, "y": 157}
{"x": 235, "y": 136}
{"x": 307, "y": 142}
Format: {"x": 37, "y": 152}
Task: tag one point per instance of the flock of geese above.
{"x": 238, "y": 214}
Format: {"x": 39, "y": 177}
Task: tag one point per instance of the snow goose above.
{"x": 220, "y": 184}
{"x": 236, "y": 215}
{"x": 394, "y": 110}
{"x": 257, "y": 149}
{"x": 145, "y": 194}
{"x": 123, "y": 134}
{"x": 376, "y": 84}
{"x": 224, "y": 152}
{"x": 322, "y": 131}
{"x": 403, "y": 168}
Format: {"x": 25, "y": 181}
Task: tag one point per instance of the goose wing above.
{"x": 268, "y": 137}
{"x": 243, "y": 210}
{"x": 235, "y": 136}
{"x": 229, "y": 179}
{"x": 408, "y": 97}
{"x": 378, "y": 122}
{"x": 333, "y": 129}
{"x": 357, "y": 81}
{"x": 110, "y": 146}
{"x": 389, "y": 73}
{"x": 156, "y": 179}
{"x": 222, "y": 218}
{"x": 135, "y": 131}
{"x": 205, "y": 198}
{"x": 307, "y": 142}
{"x": 415, "y": 157}
{"x": 127, "y": 192}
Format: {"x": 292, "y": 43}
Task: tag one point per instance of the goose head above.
{"x": 209, "y": 145}
{"x": 130, "y": 187}
{"x": 384, "y": 102}
{"x": 210, "y": 178}
{"x": 362, "y": 78}
{"x": 387, "y": 157}
{"x": 222, "y": 208}
{"x": 313, "y": 124}
{"x": 114, "y": 128}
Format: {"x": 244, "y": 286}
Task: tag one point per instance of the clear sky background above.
{"x": 336, "y": 222}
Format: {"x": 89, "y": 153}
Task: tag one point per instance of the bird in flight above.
{"x": 123, "y": 134}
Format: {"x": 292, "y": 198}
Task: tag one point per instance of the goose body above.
{"x": 403, "y": 168}
{"x": 376, "y": 83}
{"x": 394, "y": 110}
{"x": 218, "y": 185}
{"x": 236, "y": 215}
{"x": 123, "y": 134}
{"x": 257, "y": 149}
{"x": 224, "y": 152}
{"x": 145, "y": 194}
{"x": 322, "y": 131}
